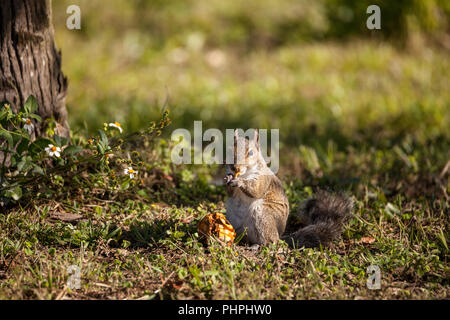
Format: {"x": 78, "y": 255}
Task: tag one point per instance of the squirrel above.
{"x": 257, "y": 203}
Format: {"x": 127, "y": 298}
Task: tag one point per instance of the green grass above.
{"x": 144, "y": 244}
{"x": 365, "y": 117}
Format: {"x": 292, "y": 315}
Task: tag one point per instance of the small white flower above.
{"x": 53, "y": 151}
{"x": 29, "y": 126}
{"x": 116, "y": 125}
{"x": 131, "y": 172}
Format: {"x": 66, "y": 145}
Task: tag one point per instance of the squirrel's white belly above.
{"x": 242, "y": 212}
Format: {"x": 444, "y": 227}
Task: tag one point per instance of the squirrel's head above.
{"x": 246, "y": 155}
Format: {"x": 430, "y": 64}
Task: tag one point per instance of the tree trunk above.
{"x": 30, "y": 62}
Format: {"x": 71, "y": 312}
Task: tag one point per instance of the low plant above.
{"x": 37, "y": 167}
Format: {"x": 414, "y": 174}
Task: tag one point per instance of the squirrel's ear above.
{"x": 236, "y": 136}
{"x": 256, "y": 138}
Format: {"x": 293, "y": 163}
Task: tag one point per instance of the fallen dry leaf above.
{"x": 65, "y": 217}
{"x": 367, "y": 240}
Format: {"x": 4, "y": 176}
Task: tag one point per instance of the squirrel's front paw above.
{"x": 231, "y": 181}
{"x": 228, "y": 178}
{"x": 234, "y": 183}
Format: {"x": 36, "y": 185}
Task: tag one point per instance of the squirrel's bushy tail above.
{"x": 323, "y": 216}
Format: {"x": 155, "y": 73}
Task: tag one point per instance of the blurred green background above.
{"x": 310, "y": 68}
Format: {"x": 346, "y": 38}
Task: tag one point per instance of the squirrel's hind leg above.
{"x": 265, "y": 228}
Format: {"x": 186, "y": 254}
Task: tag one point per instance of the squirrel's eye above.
{"x": 250, "y": 153}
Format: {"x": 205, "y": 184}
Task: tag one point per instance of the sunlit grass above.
{"x": 349, "y": 89}
{"x": 366, "y": 117}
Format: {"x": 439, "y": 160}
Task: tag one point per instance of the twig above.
{"x": 62, "y": 293}
{"x": 164, "y": 283}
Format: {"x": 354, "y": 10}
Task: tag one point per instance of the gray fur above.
{"x": 258, "y": 205}
{"x": 324, "y": 217}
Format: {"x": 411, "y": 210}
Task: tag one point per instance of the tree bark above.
{"x": 30, "y": 62}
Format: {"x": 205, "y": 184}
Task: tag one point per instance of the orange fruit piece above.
{"x": 217, "y": 225}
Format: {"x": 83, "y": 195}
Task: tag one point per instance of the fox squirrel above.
{"x": 258, "y": 204}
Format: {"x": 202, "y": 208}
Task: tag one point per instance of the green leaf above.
{"x": 102, "y": 145}
{"x": 103, "y": 137}
{"x": 72, "y": 150}
{"x": 39, "y": 145}
{"x": 37, "y": 169}
{"x": 114, "y": 233}
{"x": 125, "y": 184}
{"x": 24, "y": 164}
{"x": 100, "y": 148}
{"x": 392, "y": 208}
{"x": 23, "y": 146}
{"x": 3, "y": 114}
{"x": 14, "y": 159}
{"x": 7, "y": 135}
{"x": 142, "y": 193}
{"x": 31, "y": 104}
{"x": 35, "y": 116}
{"x": 441, "y": 237}
{"x": 60, "y": 141}
{"x": 16, "y": 137}
{"x": 15, "y": 193}
{"x": 21, "y": 164}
